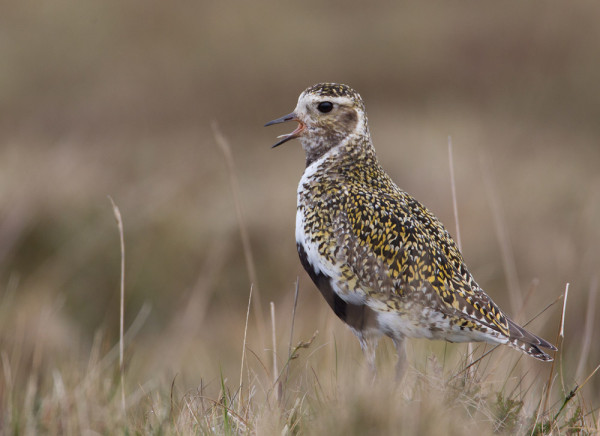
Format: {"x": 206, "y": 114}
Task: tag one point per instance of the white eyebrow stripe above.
{"x": 311, "y": 98}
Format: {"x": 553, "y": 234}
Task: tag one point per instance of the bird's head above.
{"x": 327, "y": 114}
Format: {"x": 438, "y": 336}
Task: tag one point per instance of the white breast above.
{"x": 310, "y": 248}
{"x": 303, "y": 238}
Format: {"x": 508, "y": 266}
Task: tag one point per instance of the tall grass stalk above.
{"x": 274, "y": 344}
{"x": 117, "y": 213}
{"x": 296, "y": 291}
{"x": 248, "y": 256}
{"x": 241, "y": 391}
{"x": 560, "y": 335}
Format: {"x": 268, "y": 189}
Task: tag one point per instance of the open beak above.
{"x": 294, "y": 134}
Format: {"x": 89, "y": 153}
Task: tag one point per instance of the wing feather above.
{"x": 413, "y": 249}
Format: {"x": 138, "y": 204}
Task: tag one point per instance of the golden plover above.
{"x": 384, "y": 263}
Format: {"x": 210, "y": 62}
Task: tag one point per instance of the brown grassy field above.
{"x": 118, "y": 98}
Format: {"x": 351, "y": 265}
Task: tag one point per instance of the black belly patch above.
{"x": 358, "y": 316}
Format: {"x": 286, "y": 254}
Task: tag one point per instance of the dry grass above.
{"x": 329, "y": 390}
{"x": 110, "y": 98}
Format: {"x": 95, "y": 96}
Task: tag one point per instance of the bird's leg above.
{"x": 369, "y": 345}
{"x": 401, "y": 363}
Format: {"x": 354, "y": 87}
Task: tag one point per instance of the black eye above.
{"x": 325, "y": 106}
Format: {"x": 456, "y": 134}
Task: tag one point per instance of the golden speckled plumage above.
{"x": 383, "y": 262}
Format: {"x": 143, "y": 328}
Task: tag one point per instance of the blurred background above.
{"x": 117, "y": 98}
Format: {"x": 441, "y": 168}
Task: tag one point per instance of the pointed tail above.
{"x": 529, "y": 343}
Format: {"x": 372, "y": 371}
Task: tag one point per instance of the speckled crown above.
{"x": 333, "y": 90}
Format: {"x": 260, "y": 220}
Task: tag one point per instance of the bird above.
{"x": 382, "y": 261}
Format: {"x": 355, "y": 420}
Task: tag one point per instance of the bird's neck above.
{"x": 348, "y": 160}
{"x": 355, "y": 147}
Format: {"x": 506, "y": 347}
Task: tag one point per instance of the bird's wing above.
{"x": 393, "y": 244}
